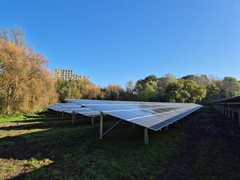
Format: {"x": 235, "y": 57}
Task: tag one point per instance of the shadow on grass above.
{"x": 201, "y": 146}
{"x": 42, "y": 123}
{"x": 76, "y": 151}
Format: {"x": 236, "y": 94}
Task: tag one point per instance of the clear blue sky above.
{"x": 117, "y": 41}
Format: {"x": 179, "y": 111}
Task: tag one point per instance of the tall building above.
{"x": 67, "y": 74}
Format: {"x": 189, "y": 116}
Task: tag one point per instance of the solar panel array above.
{"x": 77, "y": 109}
{"x": 152, "y": 115}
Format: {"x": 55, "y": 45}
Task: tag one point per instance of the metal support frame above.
{"x": 92, "y": 120}
{"x": 101, "y": 133}
{"x": 111, "y": 127}
{"x": 101, "y": 126}
{"x": 73, "y": 117}
{"x": 166, "y": 127}
{"x": 146, "y": 140}
{"x": 233, "y": 113}
{"x": 62, "y": 115}
{"x": 239, "y": 117}
{"x": 229, "y": 113}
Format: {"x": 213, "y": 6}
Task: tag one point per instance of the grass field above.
{"x": 41, "y": 147}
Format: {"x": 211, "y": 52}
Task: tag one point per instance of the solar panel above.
{"x": 61, "y": 106}
{"x": 77, "y": 109}
{"x": 152, "y": 115}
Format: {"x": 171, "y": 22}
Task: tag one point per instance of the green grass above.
{"x": 51, "y": 148}
{"x": 46, "y": 148}
{"x": 12, "y": 118}
{"x": 20, "y": 117}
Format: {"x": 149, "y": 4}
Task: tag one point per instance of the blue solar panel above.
{"x": 77, "y": 109}
{"x": 152, "y": 115}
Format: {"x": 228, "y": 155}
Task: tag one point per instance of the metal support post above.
{"x": 229, "y": 112}
{"x": 92, "y": 120}
{"x": 73, "y": 117}
{"x": 233, "y": 112}
{"x": 62, "y": 115}
{"x": 101, "y": 126}
{"x": 166, "y": 128}
{"x": 239, "y": 117}
{"x": 146, "y": 141}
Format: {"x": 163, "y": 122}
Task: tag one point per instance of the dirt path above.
{"x": 211, "y": 149}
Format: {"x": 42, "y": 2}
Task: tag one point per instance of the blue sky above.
{"x": 117, "y": 41}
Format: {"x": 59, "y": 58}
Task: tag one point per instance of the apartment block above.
{"x": 67, "y": 74}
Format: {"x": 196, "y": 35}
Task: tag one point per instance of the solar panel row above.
{"x": 152, "y": 115}
{"x": 77, "y": 109}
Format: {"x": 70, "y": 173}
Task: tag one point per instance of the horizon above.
{"x": 113, "y": 42}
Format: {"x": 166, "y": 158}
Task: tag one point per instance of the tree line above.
{"x": 188, "y": 89}
{"x": 26, "y": 85}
